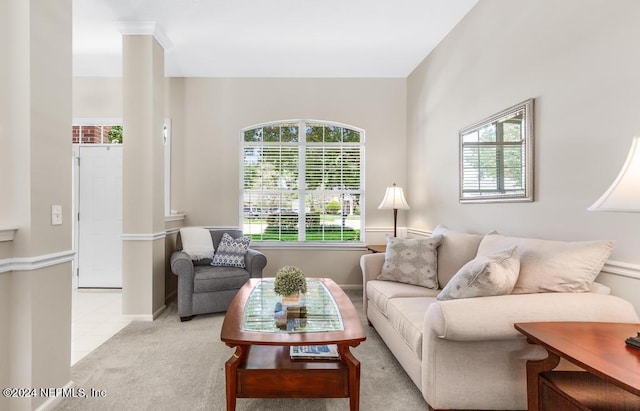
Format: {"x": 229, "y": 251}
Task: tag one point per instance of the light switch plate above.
{"x": 56, "y": 215}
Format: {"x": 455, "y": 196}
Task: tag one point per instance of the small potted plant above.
{"x": 289, "y": 283}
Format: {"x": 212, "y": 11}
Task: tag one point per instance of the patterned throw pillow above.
{"x": 484, "y": 276}
{"x": 231, "y": 251}
{"x": 412, "y": 261}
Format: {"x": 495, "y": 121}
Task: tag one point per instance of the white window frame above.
{"x": 301, "y": 191}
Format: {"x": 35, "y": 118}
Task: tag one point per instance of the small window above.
{"x": 496, "y": 157}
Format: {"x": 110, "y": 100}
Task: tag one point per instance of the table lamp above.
{"x": 624, "y": 193}
{"x": 624, "y": 196}
{"x": 394, "y": 199}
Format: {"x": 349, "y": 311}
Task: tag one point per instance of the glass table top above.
{"x": 317, "y": 311}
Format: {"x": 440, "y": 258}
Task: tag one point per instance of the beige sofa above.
{"x": 465, "y": 353}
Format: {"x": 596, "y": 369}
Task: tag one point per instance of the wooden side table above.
{"x": 377, "y": 248}
{"x": 612, "y": 377}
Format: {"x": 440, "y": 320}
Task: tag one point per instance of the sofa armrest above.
{"x": 255, "y": 262}
{"x": 181, "y": 264}
{"x": 371, "y": 265}
{"x": 492, "y": 318}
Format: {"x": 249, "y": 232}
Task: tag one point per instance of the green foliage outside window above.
{"x": 115, "y": 135}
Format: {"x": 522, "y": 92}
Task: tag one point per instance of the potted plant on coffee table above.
{"x": 289, "y": 283}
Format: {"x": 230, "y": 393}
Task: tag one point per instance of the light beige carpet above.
{"x": 169, "y": 365}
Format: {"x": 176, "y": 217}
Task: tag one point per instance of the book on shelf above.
{"x": 314, "y": 352}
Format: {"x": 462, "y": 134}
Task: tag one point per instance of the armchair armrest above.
{"x": 492, "y": 318}
{"x": 181, "y": 264}
{"x": 255, "y": 262}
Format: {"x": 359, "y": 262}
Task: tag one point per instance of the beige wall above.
{"x": 5, "y": 325}
{"x": 208, "y": 113}
{"x": 97, "y": 97}
{"x": 216, "y": 109}
{"x": 35, "y": 120}
{"x": 578, "y": 60}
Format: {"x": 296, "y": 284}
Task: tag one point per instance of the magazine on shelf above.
{"x": 314, "y": 352}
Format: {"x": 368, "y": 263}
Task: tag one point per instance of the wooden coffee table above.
{"x": 261, "y": 366}
{"x": 612, "y": 380}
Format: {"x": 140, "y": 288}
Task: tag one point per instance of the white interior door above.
{"x": 100, "y": 217}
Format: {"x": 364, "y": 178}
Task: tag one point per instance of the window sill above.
{"x": 272, "y": 245}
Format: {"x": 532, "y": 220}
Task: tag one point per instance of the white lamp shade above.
{"x": 624, "y": 193}
{"x": 394, "y": 199}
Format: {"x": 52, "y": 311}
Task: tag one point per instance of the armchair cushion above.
{"x": 222, "y": 278}
{"x": 552, "y": 266}
{"x": 412, "y": 261}
{"x": 484, "y": 276}
{"x": 231, "y": 251}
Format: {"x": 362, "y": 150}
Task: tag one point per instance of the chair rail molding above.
{"x": 7, "y": 234}
{"x": 36, "y": 262}
{"x": 622, "y": 269}
{"x": 144, "y": 237}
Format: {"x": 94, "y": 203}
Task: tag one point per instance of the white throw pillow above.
{"x": 484, "y": 276}
{"x": 552, "y": 266}
{"x": 412, "y": 261}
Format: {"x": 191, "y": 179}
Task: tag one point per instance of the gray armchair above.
{"x": 203, "y": 288}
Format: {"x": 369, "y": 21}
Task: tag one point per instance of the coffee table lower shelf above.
{"x": 269, "y": 372}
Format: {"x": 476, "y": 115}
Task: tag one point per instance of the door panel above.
{"x": 100, "y": 222}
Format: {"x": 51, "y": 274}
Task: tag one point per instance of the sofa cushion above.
{"x": 231, "y": 251}
{"x": 208, "y": 278}
{"x": 380, "y": 292}
{"x": 412, "y": 261}
{"x": 456, "y": 249}
{"x": 406, "y": 315}
{"x": 484, "y": 276}
{"x": 552, "y": 266}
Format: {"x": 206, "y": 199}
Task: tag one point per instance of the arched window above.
{"x": 302, "y": 181}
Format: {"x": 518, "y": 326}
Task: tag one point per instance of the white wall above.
{"x": 579, "y": 60}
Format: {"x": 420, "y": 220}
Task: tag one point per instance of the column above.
{"x": 143, "y": 163}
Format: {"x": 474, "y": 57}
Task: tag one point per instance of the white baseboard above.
{"x": 145, "y": 317}
{"x": 52, "y": 402}
{"x": 170, "y": 295}
{"x": 351, "y": 286}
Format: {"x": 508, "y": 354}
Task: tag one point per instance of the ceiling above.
{"x": 268, "y": 38}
